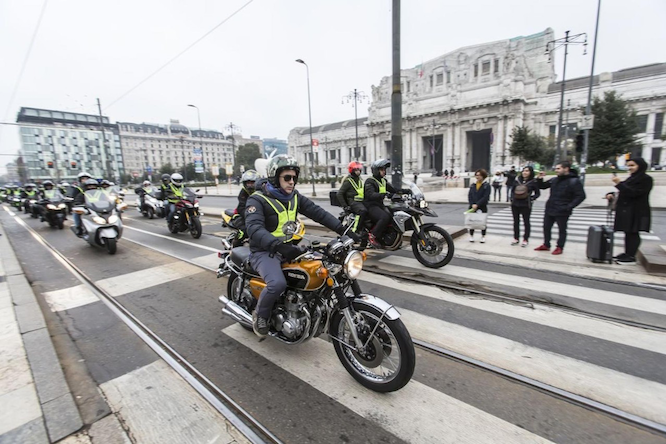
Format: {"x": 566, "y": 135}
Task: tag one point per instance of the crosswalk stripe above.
{"x": 638, "y": 396}
{"x": 68, "y": 298}
{"x": 316, "y": 363}
{"x": 621, "y": 334}
{"x": 639, "y": 303}
{"x": 150, "y": 277}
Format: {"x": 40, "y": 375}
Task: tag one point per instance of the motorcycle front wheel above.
{"x": 196, "y": 230}
{"x": 60, "y": 224}
{"x": 111, "y": 245}
{"x": 387, "y": 363}
{"x": 437, "y": 250}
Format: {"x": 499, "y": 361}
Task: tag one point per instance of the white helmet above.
{"x": 146, "y": 183}
{"x": 177, "y": 179}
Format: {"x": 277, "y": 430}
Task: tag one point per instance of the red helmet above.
{"x": 354, "y": 166}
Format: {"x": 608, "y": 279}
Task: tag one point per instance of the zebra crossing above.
{"x": 581, "y": 219}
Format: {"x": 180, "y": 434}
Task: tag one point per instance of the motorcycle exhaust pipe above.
{"x": 234, "y": 311}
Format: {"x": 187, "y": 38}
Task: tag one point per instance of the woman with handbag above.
{"x": 525, "y": 191}
{"x": 478, "y": 197}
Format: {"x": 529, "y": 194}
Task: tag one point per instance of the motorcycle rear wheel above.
{"x": 196, "y": 230}
{"x": 441, "y": 244}
{"x": 389, "y": 360}
{"x": 234, "y": 292}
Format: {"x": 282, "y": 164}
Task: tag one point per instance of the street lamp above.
{"x": 433, "y": 145}
{"x": 578, "y": 39}
{"x": 314, "y": 193}
{"x": 203, "y": 160}
{"x": 357, "y": 96}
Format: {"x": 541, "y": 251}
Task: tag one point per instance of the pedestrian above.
{"x": 521, "y": 203}
{"x": 478, "y": 197}
{"x": 453, "y": 173}
{"x": 632, "y": 208}
{"x": 446, "y": 173}
{"x": 510, "y": 181}
{"x": 498, "y": 180}
{"x": 566, "y": 193}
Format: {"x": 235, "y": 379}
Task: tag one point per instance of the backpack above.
{"x": 522, "y": 191}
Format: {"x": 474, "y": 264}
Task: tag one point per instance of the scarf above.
{"x": 279, "y": 193}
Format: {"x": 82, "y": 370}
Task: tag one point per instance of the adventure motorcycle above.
{"x": 151, "y": 207}
{"x": 100, "y": 220}
{"x": 323, "y": 296}
{"x": 432, "y": 245}
{"x": 187, "y": 215}
{"x": 55, "y": 208}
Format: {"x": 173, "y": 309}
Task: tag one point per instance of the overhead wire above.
{"x": 177, "y": 55}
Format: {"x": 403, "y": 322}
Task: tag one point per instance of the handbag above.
{"x": 476, "y": 220}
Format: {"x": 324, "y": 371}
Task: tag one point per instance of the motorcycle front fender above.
{"x": 369, "y": 300}
{"x": 108, "y": 233}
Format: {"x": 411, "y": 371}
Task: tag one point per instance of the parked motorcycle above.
{"x": 151, "y": 207}
{"x": 100, "y": 220}
{"x": 187, "y": 215}
{"x": 431, "y": 244}
{"x": 323, "y": 296}
{"x": 55, "y": 208}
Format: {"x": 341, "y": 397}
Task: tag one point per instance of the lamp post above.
{"x": 203, "y": 160}
{"x": 588, "y": 107}
{"x": 578, "y": 39}
{"x": 433, "y": 150}
{"x": 314, "y": 193}
{"x": 357, "y": 96}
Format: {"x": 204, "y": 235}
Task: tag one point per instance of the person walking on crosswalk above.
{"x": 632, "y": 209}
{"x": 521, "y": 203}
{"x": 566, "y": 193}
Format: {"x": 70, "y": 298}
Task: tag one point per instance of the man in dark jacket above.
{"x": 510, "y": 181}
{"x": 272, "y": 208}
{"x": 566, "y": 193}
{"x": 350, "y": 194}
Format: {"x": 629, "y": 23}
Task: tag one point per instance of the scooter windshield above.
{"x": 98, "y": 201}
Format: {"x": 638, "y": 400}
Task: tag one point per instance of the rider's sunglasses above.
{"x": 290, "y": 177}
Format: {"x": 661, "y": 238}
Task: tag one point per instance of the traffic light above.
{"x": 73, "y": 164}
{"x": 49, "y": 164}
{"x": 580, "y": 142}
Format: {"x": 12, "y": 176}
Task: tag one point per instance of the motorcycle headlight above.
{"x": 99, "y": 220}
{"x": 62, "y": 206}
{"x": 51, "y": 207}
{"x": 113, "y": 219}
{"x": 353, "y": 264}
{"x": 423, "y": 204}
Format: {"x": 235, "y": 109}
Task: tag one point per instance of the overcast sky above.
{"x": 245, "y": 71}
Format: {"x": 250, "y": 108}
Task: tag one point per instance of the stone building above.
{"x": 147, "y": 147}
{"x": 58, "y": 145}
{"x": 459, "y": 109}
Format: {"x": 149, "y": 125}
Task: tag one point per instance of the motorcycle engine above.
{"x": 289, "y": 318}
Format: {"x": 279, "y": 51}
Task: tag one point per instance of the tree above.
{"x": 528, "y": 146}
{"x": 188, "y": 172}
{"x": 615, "y": 128}
{"x": 166, "y": 169}
{"x": 246, "y": 156}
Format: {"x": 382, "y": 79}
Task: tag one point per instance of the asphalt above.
{"x": 32, "y": 380}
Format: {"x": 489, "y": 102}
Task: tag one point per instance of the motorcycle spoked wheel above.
{"x": 234, "y": 292}
{"x": 388, "y": 362}
{"x": 173, "y": 227}
{"x": 196, "y": 229}
{"x": 438, "y": 250}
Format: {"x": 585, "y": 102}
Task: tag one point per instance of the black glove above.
{"x": 347, "y": 209}
{"x": 289, "y": 252}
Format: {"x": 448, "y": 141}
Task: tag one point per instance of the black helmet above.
{"x": 91, "y": 184}
{"x": 165, "y": 178}
{"x": 378, "y": 164}
{"x": 279, "y": 163}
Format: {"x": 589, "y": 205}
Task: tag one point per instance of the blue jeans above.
{"x": 77, "y": 220}
{"x": 172, "y": 211}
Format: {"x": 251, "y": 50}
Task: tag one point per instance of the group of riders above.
{"x": 267, "y": 205}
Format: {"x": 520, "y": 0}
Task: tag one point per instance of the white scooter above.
{"x": 100, "y": 220}
{"x": 152, "y": 207}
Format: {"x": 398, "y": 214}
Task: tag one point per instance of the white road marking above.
{"x": 69, "y": 298}
{"x": 407, "y": 413}
{"x": 623, "y": 300}
{"x": 204, "y": 247}
{"x": 626, "y": 392}
{"x": 150, "y": 277}
{"x": 608, "y": 331}
{"x": 208, "y": 261}
{"x": 158, "y": 406}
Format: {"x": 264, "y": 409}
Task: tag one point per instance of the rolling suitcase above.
{"x": 600, "y": 243}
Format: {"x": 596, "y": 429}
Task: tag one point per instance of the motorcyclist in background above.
{"x": 374, "y": 192}
{"x": 46, "y": 196}
{"x": 350, "y": 194}
{"x": 162, "y": 192}
{"x": 29, "y": 192}
{"x": 145, "y": 188}
{"x": 248, "y": 180}
{"x": 174, "y": 192}
{"x": 75, "y": 192}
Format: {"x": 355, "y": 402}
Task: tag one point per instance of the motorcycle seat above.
{"x": 240, "y": 256}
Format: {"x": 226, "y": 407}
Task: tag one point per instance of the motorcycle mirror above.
{"x": 290, "y": 228}
{"x": 79, "y": 210}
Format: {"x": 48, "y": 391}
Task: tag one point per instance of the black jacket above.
{"x": 346, "y": 193}
{"x": 566, "y": 193}
{"x": 511, "y": 177}
{"x": 261, "y": 220}
{"x": 633, "y": 205}
{"x": 372, "y": 196}
{"x": 479, "y": 197}
{"x": 534, "y": 192}
{"x": 242, "y": 202}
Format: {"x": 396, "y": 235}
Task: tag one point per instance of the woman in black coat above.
{"x": 522, "y": 205}
{"x": 478, "y": 197}
{"x": 632, "y": 209}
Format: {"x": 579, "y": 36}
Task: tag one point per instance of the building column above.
{"x": 649, "y": 137}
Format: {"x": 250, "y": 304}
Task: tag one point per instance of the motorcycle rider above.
{"x": 374, "y": 191}
{"x": 350, "y": 194}
{"x": 248, "y": 181}
{"x": 174, "y": 192}
{"x": 75, "y": 192}
{"x": 162, "y": 192}
{"x": 273, "y": 205}
{"x": 48, "y": 194}
{"x": 80, "y": 199}
{"x": 29, "y": 192}
{"x": 145, "y": 188}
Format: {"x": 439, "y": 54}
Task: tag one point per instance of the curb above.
{"x": 60, "y": 415}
